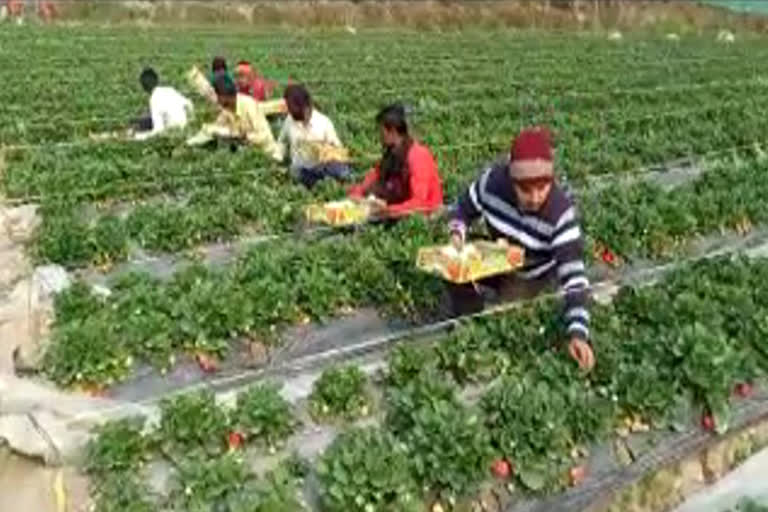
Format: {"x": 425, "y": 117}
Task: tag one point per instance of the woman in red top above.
{"x": 406, "y": 178}
{"x": 250, "y": 83}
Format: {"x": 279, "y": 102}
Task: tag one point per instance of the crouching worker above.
{"x": 240, "y": 121}
{"x": 315, "y": 149}
{"x": 251, "y": 83}
{"x": 521, "y": 203}
{"x": 168, "y": 107}
{"x": 406, "y": 178}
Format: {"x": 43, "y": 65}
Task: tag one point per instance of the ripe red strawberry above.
{"x": 501, "y": 468}
{"x": 577, "y": 474}
{"x": 608, "y": 257}
{"x": 743, "y": 389}
{"x": 235, "y": 440}
{"x": 207, "y": 363}
{"x": 707, "y": 422}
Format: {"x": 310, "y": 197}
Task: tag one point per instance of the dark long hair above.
{"x": 394, "y": 175}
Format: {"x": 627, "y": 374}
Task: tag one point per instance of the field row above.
{"x": 308, "y": 44}
{"x": 581, "y": 116}
{"x": 521, "y": 67}
{"x": 510, "y": 99}
{"x": 528, "y": 420}
{"x": 205, "y": 198}
{"x": 121, "y": 99}
{"x": 273, "y": 286}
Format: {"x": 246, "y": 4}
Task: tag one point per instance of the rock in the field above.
{"x": 13, "y": 264}
{"x": 673, "y": 37}
{"x": 26, "y": 484}
{"x": 101, "y": 290}
{"x": 51, "y": 279}
{"x": 25, "y": 317}
{"x": 615, "y": 36}
{"x": 19, "y": 432}
{"x": 45, "y": 423}
{"x": 19, "y": 223}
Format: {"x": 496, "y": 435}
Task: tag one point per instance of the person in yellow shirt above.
{"x": 241, "y": 121}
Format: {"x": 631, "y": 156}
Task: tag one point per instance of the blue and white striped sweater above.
{"x": 552, "y": 237}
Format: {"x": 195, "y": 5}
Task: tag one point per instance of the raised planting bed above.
{"x": 288, "y": 282}
{"x": 678, "y": 365}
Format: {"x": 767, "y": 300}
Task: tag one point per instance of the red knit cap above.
{"x": 532, "y": 144}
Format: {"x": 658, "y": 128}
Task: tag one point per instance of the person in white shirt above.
{"x": 168, "y": 107}
{"x": 315, "y": 149}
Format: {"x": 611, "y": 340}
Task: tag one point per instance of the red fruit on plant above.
{"x": 206, "y": 362}
{"x": 501, "y": 468}
{"x": 608, "y": 257}
{"x": 577, "y": 474}
{"x": 708, "y": 422}
{"x": 743, "y": 389}
{"x": 235, "y": 440}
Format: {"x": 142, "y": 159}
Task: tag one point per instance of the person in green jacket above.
{"x": 219, "y": 67}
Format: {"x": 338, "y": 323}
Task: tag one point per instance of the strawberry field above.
{"x": 661, "y": 142}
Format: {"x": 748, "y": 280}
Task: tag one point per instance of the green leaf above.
{"x": 534, "y": 479}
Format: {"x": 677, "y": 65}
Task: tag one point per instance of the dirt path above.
{"x": 27, "y": 485}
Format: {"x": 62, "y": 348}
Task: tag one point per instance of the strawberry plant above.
{"x": 226, "y": 483}
{"x": 85, "y": 353}
{"x": 536, "y": 419}
{"x": 449, "y": 449}
{"x": 367, "y": 470}
{"x": 427, "y": 390}
{"x": 468, "y": 356}
{"x": 341, "y": 392}
{"x": 76, "y": 302}
{"x": 119, "y": 446}
{"x": 407, "y": 361}
{"x": 193, "y": 424}
{"x": 201, "y": 484}
{"x": 276, "y": 491}
{"x": 262, "y": 414}
{"x": 122, "y": 492}
{"x": 297, "y": 466}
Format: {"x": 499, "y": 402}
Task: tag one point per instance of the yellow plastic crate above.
{"x": 321, "y": 152}
{"x": 481, "y": 260}
{"x": 339, "y": 213}
{"x": 273, "y": 107}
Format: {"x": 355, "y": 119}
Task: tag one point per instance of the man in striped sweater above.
{"x": 521, "y": 203}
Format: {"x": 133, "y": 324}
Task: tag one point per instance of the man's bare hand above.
{"x": 457, "y": 240}
{"x": 582, "y": 352}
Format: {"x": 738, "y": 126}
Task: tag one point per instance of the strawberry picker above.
{"x": 406, "y": 179}
{"x": 240, "y": 121}
{"x": 522, "y": 204}
{"x": 218, "y": 68}
{"x": 316, "y": 152}
{"x": 168, "y": 108}
{"x": 249, "y": 82}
